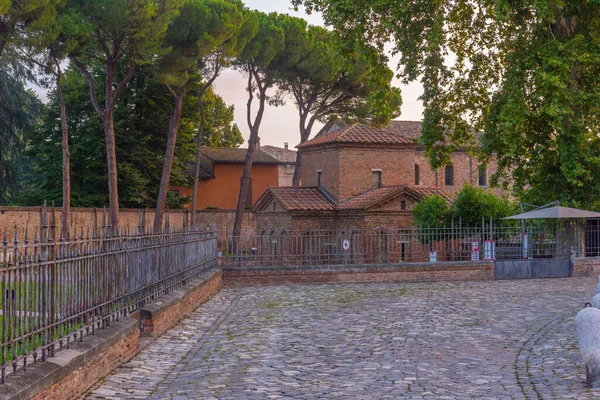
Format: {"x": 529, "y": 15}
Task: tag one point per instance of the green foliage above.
{"x": 525, "y": 73}
{"x": 202, "y": 27}
{"x": 18, "y": 112}
{"x": 31, "y": 22}
{"x": 260, "y": 52}
{"x": 329, "y": 79}
{"x": 431, "y": 212}
{"x": 473, "y": 205}
{"x": 143, "y": 116}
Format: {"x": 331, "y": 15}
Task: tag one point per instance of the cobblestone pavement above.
{"x": 480, "y": 340}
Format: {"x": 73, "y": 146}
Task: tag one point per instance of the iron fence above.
{"x": 397, "y": 245}
{"x": 58, "y": 290}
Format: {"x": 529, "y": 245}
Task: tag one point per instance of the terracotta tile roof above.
{"x": 314, "y": 199}
{"x": 408, "y": 129}
{"x": 235, "y": 156}
{"x": 382, "y": 195}
{"x": 426, "y": 191}
{"x": 357, "y": 133}
{"x": 284, "y": 156}
{"x": 296, "y": 198}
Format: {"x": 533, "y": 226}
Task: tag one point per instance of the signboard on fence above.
{"x": 346, "y": 244}
{"x": 475, "y": 251}
{"x": 433, "y": 256}
{"x": 525, "y": 246}
{"x": 489, "y": 250}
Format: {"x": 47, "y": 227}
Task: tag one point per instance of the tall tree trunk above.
{"x": 66, "y": 175}
{"x": 297, "y": 166}
{"x": 200, "y": 133}
{"x": 111, "y": 163}
{"x": 197, "y": 167}
{"x": 169, "y": 156}
{"x": 254, "y": 127}
{"x": 305, "y": 131}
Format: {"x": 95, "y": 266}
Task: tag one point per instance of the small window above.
{"x": 449, "y": 175}
{"x": 376, "y": 179}
{"x": 403, "y": 204}
{"x": 482, "y": 176}
{"x": 319, "y": 178}
{"x": 417, "y": 175}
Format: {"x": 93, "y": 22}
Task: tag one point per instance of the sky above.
{"x": 280, "y": 124}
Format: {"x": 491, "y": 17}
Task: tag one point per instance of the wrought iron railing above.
{"x": 408, "y": 244}
{"x": 56, "y": 290}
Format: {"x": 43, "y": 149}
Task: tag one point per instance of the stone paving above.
{"x": 472, "y": 340}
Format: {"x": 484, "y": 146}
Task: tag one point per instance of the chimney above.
{"x": 257, "y": 145}
{"x": 285, "y": 145}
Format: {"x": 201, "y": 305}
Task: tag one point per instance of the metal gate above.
{"x": 532, "y": 268}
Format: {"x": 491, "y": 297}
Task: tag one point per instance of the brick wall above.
{"x": 466, "y": 170}
{"x": 84, "y": 217}
{"x": 325, "y": 159}
{"x": 418, "y": 272}
{"x": 356, "y": 165}
{"x": 160, "y": 316}
{"x": 585, "y": 267}
{"x": 78, "y": 382}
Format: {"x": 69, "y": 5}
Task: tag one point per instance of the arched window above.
{"x": 417, "y": 175}
{"x": 482, "y": 176}
{"x": 449, "y": 175}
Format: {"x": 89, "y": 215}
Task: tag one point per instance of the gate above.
{"x": 532, "y": 268}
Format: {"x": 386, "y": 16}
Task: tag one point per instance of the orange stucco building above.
{"x": 220, "y": 175}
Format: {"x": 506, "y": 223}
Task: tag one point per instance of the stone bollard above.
{"x": 588, "y": 333}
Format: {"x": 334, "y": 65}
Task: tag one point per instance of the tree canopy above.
{"x": 329, "y": 80}
{"x": 143, "y": 116}
{"x": 523, "y": 73}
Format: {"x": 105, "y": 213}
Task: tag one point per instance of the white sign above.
{"x": 433, "y": 256}
{"x": 475, "y": 251}
{"x": 489, "y": 250}
{"x": 346, "y": 244}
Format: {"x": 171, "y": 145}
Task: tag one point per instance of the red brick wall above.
{"x": 356, "y": 165}
{"x": 466, "y": 170}
{"x": 326, "y": 160}
{"x": 585, "y": 267}
{"x": 418, "y": 273}
{"x": 77, "y": 383}
{"x": 168, "y": 317}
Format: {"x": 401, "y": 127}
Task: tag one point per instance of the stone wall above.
{"x": 415, "y": 272}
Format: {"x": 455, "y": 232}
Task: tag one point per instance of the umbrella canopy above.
{"x": 556, "y": 212}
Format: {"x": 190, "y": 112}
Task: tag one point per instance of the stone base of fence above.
{"x": 413, "y": 272}
{"x": 585, "y": 267}
{"x": 71, "y": 373}
{"x": 158, "y": 317}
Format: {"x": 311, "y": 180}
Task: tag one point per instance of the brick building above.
{"x": 286, "y": 159}
{"x": 357, "y": 176}
{"x": 220, "y": 175}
